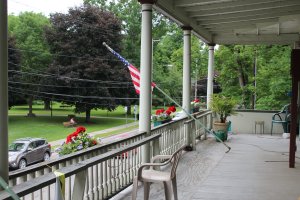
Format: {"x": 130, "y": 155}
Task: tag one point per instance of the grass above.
{"x": 123, "y": 130}
{"x": 51, "y": 128}
{"x": 58, "y": 110}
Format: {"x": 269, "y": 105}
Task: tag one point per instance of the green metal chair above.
{"x": 282, "y": 117}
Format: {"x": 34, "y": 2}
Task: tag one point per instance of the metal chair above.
{"x": 153, "y": 175}
{"x": 282, "y": 117}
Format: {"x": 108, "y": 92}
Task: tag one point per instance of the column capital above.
{"x": 211, "y": 44}
{"x": 186, "y": 28}
{"x": 147, "y": 1}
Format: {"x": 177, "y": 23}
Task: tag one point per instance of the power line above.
{"x": 62, "y": 55}
{"x": 69, "y": 78}
{"x": 57, "y": 99}
{"x": 65, "y": 86}
{"x": 74, "y": 96}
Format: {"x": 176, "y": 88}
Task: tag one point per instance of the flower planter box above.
{"x": 158, "y": 123}
{"x": 195, "y": 110}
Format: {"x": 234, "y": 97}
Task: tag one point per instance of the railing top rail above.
{"x": 47, "y": 179}
{"x": 199, "y": 115}
{"x": 56, "y": 161}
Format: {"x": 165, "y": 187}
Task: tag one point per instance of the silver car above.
{"x": 25, "y": 151}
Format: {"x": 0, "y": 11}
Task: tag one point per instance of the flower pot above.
{"x": 195, "y": 110}
{"x": 221, "y": 130}
{"x": 158, "y": 123}
{"x": 218, "y": 126}
{"x": 222, "y": 135}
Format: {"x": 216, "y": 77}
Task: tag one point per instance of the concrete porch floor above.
{"x": 256, "y": 168}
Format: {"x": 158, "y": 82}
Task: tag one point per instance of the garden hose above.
{"x": 197, "y": 121}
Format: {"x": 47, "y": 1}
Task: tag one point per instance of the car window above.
{"x": 40, "y": 143}
{"x": 16, "y": 147}
{"x": 32, "y": 145}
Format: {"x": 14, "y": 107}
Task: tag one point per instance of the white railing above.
{"x": 184, "y": 131}
{"x": 99, "y": 177}
{"x": 34, "y": 171}
{"x": 109, "y": 168}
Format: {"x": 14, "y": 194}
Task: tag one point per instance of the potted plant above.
{"x": 195, "y": 105}
{"x": 163, "y": 116}
{"x": 77, "y": 141}
{"x": 223, "y": 106}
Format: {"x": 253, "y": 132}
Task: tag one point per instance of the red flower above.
{"x": 94, "y": 142}
{"x": 196, "y": 100}
{"x": 168, "y": 112}
{"x": 80, "y": 129}
{"x": 172, "y": 109}
{"x": 159, "y": 111}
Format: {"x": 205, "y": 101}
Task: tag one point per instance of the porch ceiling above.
{"x": 237, "y": 21}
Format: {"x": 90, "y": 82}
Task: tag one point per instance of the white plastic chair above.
{"x": 152, "y": 175}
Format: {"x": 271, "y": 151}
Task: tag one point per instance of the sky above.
{"x": 41, "y": 6}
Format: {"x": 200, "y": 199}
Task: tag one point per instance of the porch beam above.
{"x": 239, "y": 4}
{"x": 258, "y": 8}
{"x": 210, "y": 75}
{"x": 167, "y": 8}
{"x": 186, "y": 81}
{"x": 3, "y": 92}
{"x": 217, "y": 3}
{"x": 295, "y": 72}
{"x": 284, "y": 39}
{"x": 145, "y": 74}
{"x": 237, "y": 16}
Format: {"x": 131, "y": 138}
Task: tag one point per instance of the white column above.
{"x": 3, "y": 92}
{"x": 186, "y": 84}
{"x": 210, "y": 74}
{"x": 145, "y": 76}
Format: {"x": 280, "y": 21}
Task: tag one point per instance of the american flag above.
{"x": 134, "y": 72}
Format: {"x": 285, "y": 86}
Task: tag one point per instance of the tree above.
{"x": 28, "y": 29}
{"x": 234, "y": 65}
{"x": 90, "y": 75}
{"x": 273, "y": 80}
{"x": 14, "y": 59}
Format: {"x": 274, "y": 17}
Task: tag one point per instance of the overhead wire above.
{"x": 69, "y": 78}
{"x": 67, "y": 86}
{"x": 63, "y": 55}
{"x": 74, "y": 96}
{"x": 59, "y": 99}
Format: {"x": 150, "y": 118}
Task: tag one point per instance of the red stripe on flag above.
{"x": 135, "y": 77}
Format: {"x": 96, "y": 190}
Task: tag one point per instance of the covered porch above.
{"x": 257, "y": 165}
{"x": 255, "y": 168}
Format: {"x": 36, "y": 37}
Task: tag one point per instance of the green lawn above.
{"x": 51, "y": 128}
{"x": 58, "y": 110}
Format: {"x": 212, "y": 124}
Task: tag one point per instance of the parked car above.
{"x": 25, "y": 151}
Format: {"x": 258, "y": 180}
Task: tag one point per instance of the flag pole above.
{"x": 197, "y": 121}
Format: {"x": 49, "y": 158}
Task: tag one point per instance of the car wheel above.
{"x": 22, "y": 164}
{"x": 46, "y": 156}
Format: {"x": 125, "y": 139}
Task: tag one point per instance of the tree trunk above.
{"x": 47, "y": 104}
{"x": 242, "y": 82}
{"x": 30, "y": 102}
{"x": 128, "y": 109}
{"x": 87, "y": 115}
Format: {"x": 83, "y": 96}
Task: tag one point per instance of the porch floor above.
{"x": 256, "y": 168}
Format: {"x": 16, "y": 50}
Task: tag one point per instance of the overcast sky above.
{"x": 41, "y": 6}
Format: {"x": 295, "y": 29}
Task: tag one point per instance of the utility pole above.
{"x": 196, "y": 77}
